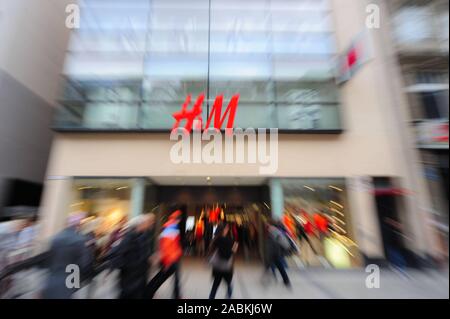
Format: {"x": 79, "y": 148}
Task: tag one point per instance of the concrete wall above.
{"x": 33, "y": 40}
{"x": 25, "y": 134}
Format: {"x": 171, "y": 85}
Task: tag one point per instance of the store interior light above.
{"x": 335, "y": 188}
{"x": 122, "y": 187}
{"x": 339, "y": 228}
{"x": 339, "y": 220}
{"x": 337, "y": 254}
{"x": 77, "y": 204}
{"x": 337, "y": 204}
{"x": 85, "y": 187}
{"x": 336, "y": 211}
{"x": 154, "y": 208}
{"x": 310, "y": 188}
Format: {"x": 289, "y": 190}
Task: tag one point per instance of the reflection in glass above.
{"x": 135, "y": 62}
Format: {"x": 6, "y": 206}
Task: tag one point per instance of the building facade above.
{"x": 420, "y": 37}
{"x": 312, "y": 69}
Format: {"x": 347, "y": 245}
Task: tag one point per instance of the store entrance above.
{"x": 205, "y": 207}
{"x": 391, "y": 225}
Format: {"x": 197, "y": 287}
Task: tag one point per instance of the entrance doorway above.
{"x": 205, "y": 207}
{"x": 391, "y": 224}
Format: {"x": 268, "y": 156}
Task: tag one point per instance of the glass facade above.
{"x": 132, "y": 63}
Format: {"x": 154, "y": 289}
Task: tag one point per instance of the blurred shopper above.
{"x": 246, "y": 240}
{"x": 276, "y": 247}
{"x": 304, "y": 242}
{"x": 235, "y": 233}
{"x": 199, "y": 233}
{"x": 88, "y": 229}
{"x": 321, "y": 223}
{"x": 27, "y": 234}
{"x": 190, "y": 237}
{"x": 24, "y": 236}
{"x": 293, "y": 248}
{"x": 67, "y": 248}
{"x": 393, "y": 236}
{"x": 132, "y": 257}
{"x": 169, "y": 255}
{"x": 289, "y": 225}
{"x": 209, "y": 231}
{"x": 222, "y": 250}
{"x": 117, "y": 234}
{"x": 8, "y": 234}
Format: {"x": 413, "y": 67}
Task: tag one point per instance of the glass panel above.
{"x": 313, "y": 116}
{"x": 176, "y": 67}
{"x": 158, "y": 115}
{"x": 299, "y": 6}
{"x": 249, "y": 91}
{"x": 113, "y": 14}
{"x": 101, "y": 66}
{"x": 103, "y": 115}
{"x": 111, "y": 40}
{"x": 307, "y": 105}
{"x": 240, "y": 62}
{"x": 120, "y": 41}
{"x": 299, "y": 92}
{"x": 303, "y": 44}
{"x": 70, "y": 115}
{"x": 73, "y": 91}
{"x": 173, "y": 90}
{"x": 176, "y": 63}
{"x": 113, "y": 92}
{"x": 254, "y": 115}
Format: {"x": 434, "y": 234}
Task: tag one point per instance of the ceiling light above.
{"x": 335, "y": 188}
{"x": 77, "y": 204}
{"x": 85, "y": 187}
{"x": 337, "y": 204}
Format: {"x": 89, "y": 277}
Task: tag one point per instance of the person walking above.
{"x": 222, "y": 250}
{"x": 132, "y": 257}
{"x": 116, "y": 235}
{"x": 276, "y": 246}
{"x": 170, "y": 253}
{"x": 68, "y": 247}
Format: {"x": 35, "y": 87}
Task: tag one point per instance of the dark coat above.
{"x": 67, "y": 247}
{"x": 131, "y": 258}
{"x": 273, "y": 250}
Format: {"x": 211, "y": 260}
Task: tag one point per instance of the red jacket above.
{"x": 321, "y": 223}
{"x": 169, "y": 244}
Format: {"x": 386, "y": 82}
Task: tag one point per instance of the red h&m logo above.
{"x": 195, "y": 113}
